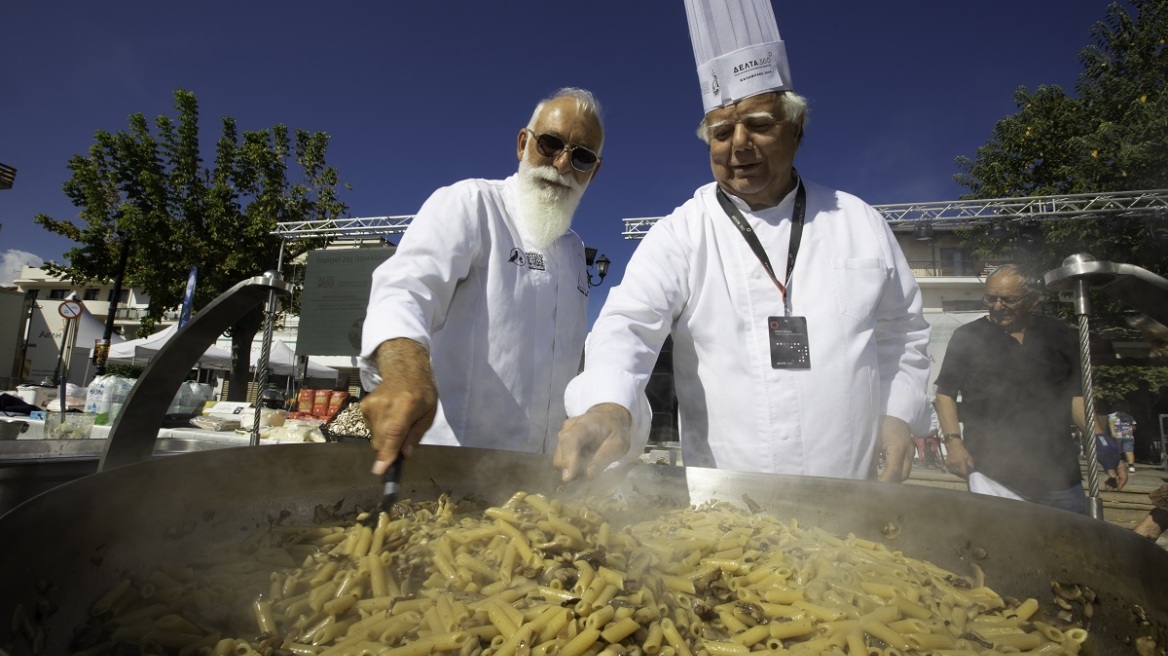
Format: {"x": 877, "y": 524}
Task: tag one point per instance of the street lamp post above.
{"x": 601, "y": 264}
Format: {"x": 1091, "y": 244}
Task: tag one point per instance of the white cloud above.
{"x": 12, "y": 261}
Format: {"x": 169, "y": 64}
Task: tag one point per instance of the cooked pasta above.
{"x": 540, "y": 577}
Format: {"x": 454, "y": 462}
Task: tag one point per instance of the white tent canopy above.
{"x": 281, "y": 358}
{"x": 141, "y": 350}
{"x": 282, "y": 361}
{"x": 90, "y": 329}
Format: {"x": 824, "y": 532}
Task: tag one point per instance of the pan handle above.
{"x": 132, "y": 437}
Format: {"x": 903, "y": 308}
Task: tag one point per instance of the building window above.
{"x": 123, "y": 297}
{"x": 959, "y": 261}
{"x": 59, "y": 294}
{"x": 90, "y": 295}
{"x": 33, "y": 294}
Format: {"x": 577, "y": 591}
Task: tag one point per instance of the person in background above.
{"x": 1146, "y": 431}
{"x": 1122, "y": 428}
{"x": 798, "y": 337}
{"x": 1018, "y": 377}
{"x": 1107, "y": 452}
{"x": 477, "y": 322}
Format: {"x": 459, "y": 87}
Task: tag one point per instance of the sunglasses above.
{"x": 1009, "y": 301}
{"x": 550, "y": 146}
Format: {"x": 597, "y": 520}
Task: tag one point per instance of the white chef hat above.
{"x": 737, "y": 48}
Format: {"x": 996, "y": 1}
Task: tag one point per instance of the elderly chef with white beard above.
{"x": 798, "y": 338}
{"x": 477, "y": 322}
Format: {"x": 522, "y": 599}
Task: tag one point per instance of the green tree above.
{"x": 1109, "y": 138}
{"x": 152, "y": 191}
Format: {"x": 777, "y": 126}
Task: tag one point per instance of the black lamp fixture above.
{"x": 923, "y": 231}
{"x": 601, "y": 265}
{"x": 999, "y": 230}
{"x": 1029, "y": 235}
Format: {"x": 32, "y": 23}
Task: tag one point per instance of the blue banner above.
{"x": 184, "y": 314}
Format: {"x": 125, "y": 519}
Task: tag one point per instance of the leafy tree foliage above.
{"x": 1113, "y": 383}
{"x": 1109, "y": 138}
{"x": 151, "y": 189}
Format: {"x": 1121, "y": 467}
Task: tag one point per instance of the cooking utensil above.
{"x": 391, "y": 482}
{"x": 73, "y": 543}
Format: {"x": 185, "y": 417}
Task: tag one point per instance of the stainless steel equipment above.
{"x": 83, "y": 536}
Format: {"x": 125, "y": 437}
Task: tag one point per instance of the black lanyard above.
{"x": 797, "y": 218}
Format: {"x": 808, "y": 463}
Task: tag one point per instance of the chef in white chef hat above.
{"x": 798, "y": 337}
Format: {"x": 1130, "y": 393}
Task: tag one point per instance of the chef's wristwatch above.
{"x": 950, "y": 436}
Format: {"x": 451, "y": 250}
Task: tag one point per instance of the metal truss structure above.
{"x": 952, "y": 214}
{"x": 964, "y": 213}
{"x": 372, "y": 227}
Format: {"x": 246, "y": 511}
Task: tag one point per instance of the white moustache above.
{"x": 550, "y": 174}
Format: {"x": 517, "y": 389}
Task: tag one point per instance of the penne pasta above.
{"x": 541, "y": 577}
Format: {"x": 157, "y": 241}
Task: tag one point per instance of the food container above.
{"x": 68, "y": 425}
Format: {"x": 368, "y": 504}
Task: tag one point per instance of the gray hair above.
{"x": 585, "y": 102}
{"x": 794, "y": 112}
{"x": 1032, "y": 283}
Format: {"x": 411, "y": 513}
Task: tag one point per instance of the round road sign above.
{"x": 69, "y": 309}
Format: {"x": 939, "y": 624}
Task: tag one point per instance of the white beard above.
{"x": 545, "y": 210}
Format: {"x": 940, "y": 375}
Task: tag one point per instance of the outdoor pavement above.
{"x": 1124, "y": 508}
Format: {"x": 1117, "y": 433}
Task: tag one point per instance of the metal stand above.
{"x": 265, "y": 352}
{"x": 132, "y": 436}
{"x": 1143, "y": 290}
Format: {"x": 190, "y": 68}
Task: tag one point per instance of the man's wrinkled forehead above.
{"x": 1006, "y": 281}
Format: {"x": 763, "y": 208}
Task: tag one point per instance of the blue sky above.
{"x": 416, "y": 95}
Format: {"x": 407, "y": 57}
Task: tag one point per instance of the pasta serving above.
{"x": 539, "y": 577}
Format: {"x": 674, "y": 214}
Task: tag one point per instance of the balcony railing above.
{"x": 938, "y": 269}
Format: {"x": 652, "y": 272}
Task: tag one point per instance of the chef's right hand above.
{"x": 957, "y": 458}
{"x": 402, "y": 408}
{"x": 591, "y": 442}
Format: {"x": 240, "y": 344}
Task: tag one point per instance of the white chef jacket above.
{"x": 695, "y": 275}
{"x": 504, "y": 322}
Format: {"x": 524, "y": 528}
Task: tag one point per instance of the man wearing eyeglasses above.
{"x": 476, "y": 323}
{"x": 1017, "y": 374}
{"x": 798, "y": 337}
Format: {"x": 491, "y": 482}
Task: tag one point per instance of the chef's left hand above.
{"x": 591, "y": 442}
{"x": 897, "y": 446}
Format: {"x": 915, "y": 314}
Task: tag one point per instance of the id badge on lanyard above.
{"x": 790, "y": 348}
{"x": 787, "y": 335}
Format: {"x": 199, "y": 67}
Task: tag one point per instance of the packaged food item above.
{"x": 320, "y": 404}
{"x": 270, "y": 417}
{"x": 336, "y": 401}
{"x": 215, "y": 423}
{"x": 305, "y": 400}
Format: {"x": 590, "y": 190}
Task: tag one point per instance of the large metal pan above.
{"x": 83, "y": 536}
